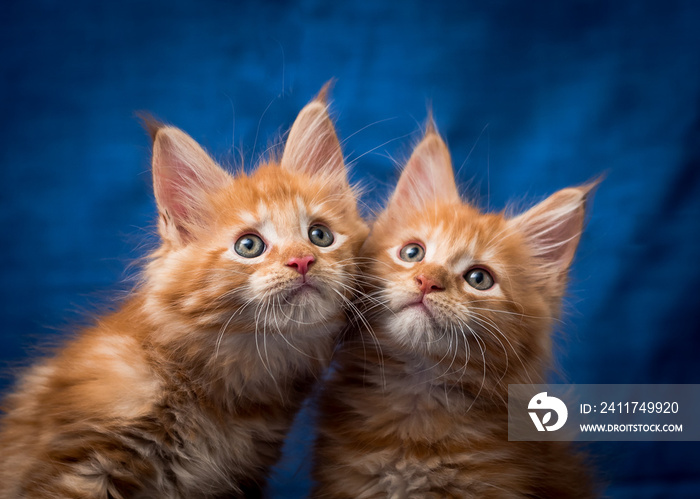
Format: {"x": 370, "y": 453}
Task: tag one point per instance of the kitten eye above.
{"x": 249, "y": 246}
{"x": 320, "y": 235}
{"x": 479, "y": 279}
{"x": 412, "y": 252}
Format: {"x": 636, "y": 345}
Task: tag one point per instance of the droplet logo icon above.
{"x": 552, "y": 404}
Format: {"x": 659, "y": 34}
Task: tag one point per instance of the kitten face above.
{"x": 457, "y": 283}
{"x": 434, "y": 297}
{"x": 273, "y": 249}
{"x": 303, "y": 238}
{"x": 278, "y": 211}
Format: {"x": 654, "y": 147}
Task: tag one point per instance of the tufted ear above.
{"x": 312, "y": 146}
{"x": 183, "y": 177}
{"x": 427, "y": 177}
{"x": 553, "y": 227}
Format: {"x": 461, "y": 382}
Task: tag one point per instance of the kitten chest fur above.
{"x": 183, "y": 419}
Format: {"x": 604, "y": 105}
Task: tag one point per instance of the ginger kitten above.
{"x": 188, "y": 390}
{"x": 460, "y": 304}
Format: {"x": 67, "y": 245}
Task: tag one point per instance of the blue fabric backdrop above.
{"x": 531, "y": 97}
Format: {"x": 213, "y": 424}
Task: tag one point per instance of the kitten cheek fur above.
{"x": 188, "y": 389}
{"x": 417, "y": 403}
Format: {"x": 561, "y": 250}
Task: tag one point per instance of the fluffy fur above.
{"x": 417, "y": 404}
{"x": 189, "y": 388}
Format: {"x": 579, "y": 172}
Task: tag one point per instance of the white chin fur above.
{"x": 413, "y": 327}
{"x": 307, "y": 307}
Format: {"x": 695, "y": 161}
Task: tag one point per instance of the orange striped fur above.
{"x": 188, "y": 390}
{"x": 417, "y": 404}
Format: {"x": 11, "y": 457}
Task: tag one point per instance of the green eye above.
{"x": 479, "y": 279}
{"x": 249, "y": 246}
{"x": 320, "y": 235}
{"x": 412, "y": 252}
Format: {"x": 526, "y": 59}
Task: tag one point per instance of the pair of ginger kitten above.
{"x": 188, "y": 390}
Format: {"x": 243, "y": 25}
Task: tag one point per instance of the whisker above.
{"x": 485, "y": 321}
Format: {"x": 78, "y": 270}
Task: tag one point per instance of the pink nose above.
{"x": 428, "y": 284}
{"x": 301, "y": 264}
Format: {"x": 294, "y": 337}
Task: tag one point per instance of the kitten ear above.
{"x": 553, "y": 227}
{"x": 427, "y": 177}
{"x": 183, "y": 175}
{"x": 312, "y": 146}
